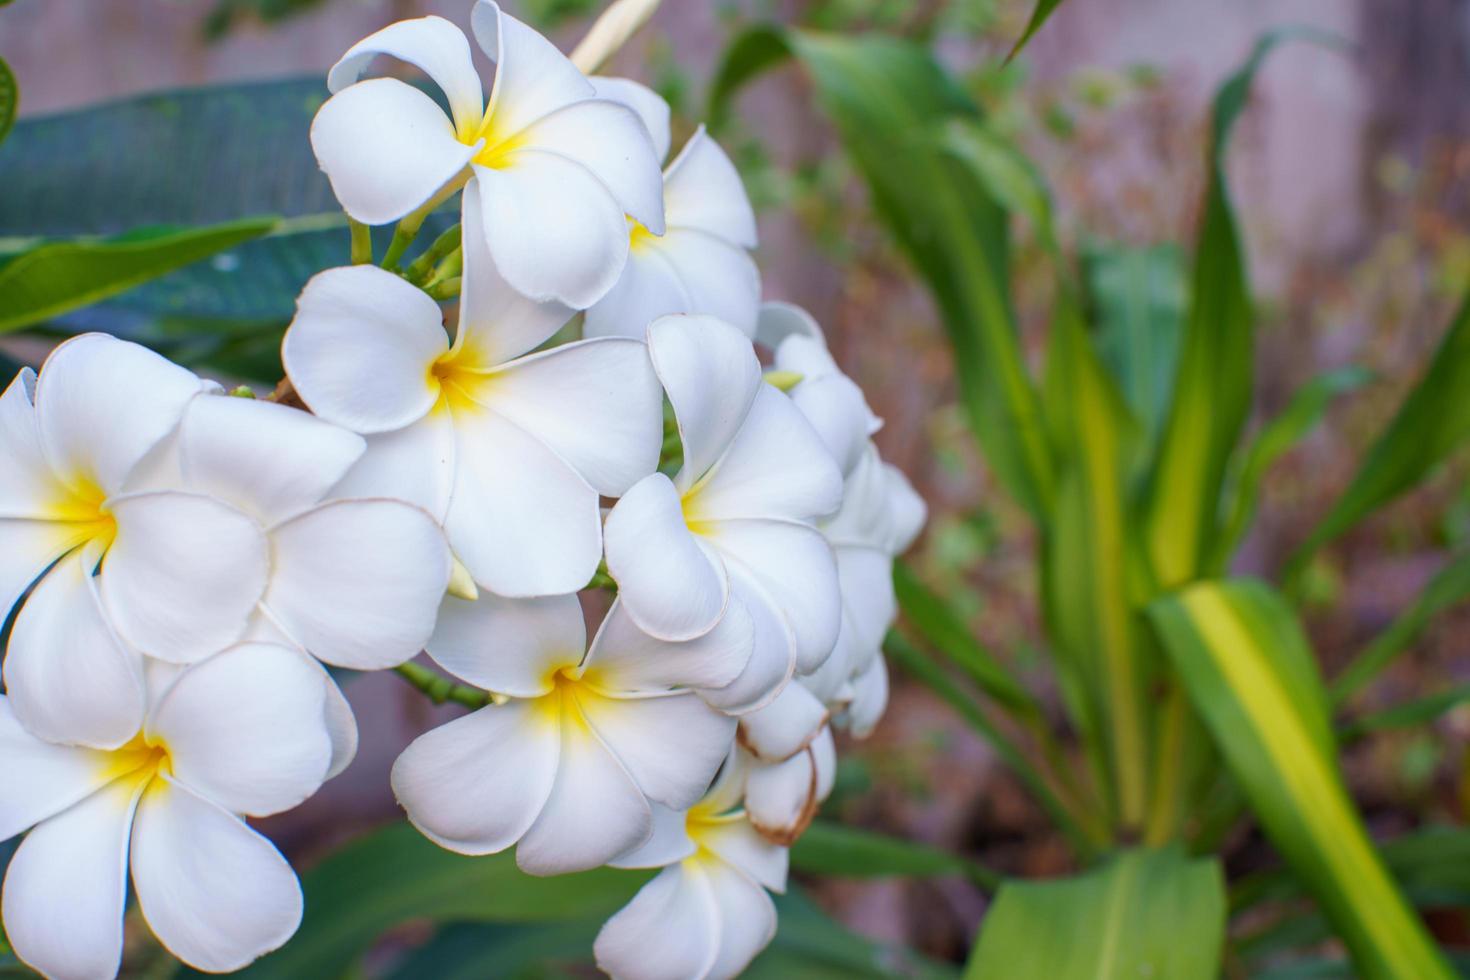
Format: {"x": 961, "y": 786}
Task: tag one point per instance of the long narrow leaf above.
{"x": 1039, "y": 14}
{"x": 9, "y": 99}
{"x": 891, "y": 101}
{"x": 1411, "y": 714}
{"x": 1249, "y": 672}
{"x": 1433, "y": 421}
{"x": 1449, "y": 587}
{"x": 1304, "y": 411}
{"x": 832, "y": 849}
{"x": 1143, "y": 914}
{"x": 53, "y": 279}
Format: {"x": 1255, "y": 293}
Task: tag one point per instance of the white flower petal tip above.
{"x": 778, "y": 320}
{"x": 243, "y": 733}
{"x": 784, "y": 727}
{"x": 782, "y": 798}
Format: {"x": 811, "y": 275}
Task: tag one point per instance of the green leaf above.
{"x": 832, "y": 849}
{"x": 1449, "y": 587}
{"x": 1433, "y": 421}
{"x": 9, "y": 99}
{"x": 1136, "y": 297}
{"x": 1039, "y": 14}
{"x": 1279, "y": 435}
{"x": 52, "y": 279}
{"x": 1248, "y": 670}
{"x": 1410, "y": 714}
{"x": 395, "y": 875}
{"x": 946, "y": 632}
{"x": 891, "y": 103}
{"x": 1142, "y": 914}
{"x": 1007, "y": 174}
{"x": 1089, "y": 574}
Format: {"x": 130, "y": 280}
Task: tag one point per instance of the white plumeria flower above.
{"x": 239, "y": 734}
{"x": 354, "y": 582}
{"x": 176, "y": 574}
{"x": 567, "y": 766}
{"x": 701, "y": 263}
{"x": 556, "y": 168}
{"x": 508, "y": 450}
{"x": 735, "y": 521}
{"x": 707, "y": 914}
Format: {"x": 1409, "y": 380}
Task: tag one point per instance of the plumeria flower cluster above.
{"x": 590, "y": 428}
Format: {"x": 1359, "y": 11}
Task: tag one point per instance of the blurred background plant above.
{"x": 1182, "y": 364}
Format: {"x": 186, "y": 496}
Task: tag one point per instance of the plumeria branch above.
{"x": 441, "y": 689}
{"x": 362, "y": 242}
{"x": 422, "y": 268}
{"x": 612, "y": 30}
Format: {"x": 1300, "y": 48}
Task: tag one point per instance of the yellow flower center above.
{"x": 137, "y": 762}
{"x": 499, "y": 148}
{"x": 81, "y": 507}
{"x": 455, "y": 380}
{"x": 639, "y": 237}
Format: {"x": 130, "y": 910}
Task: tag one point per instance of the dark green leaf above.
{"x": 1433, "y": 421}
{"x": 832, "y": 849}
{"x": 891, "y": 103}
{"x": 1304, "y": 411}
{"x": 1137, "y": 297}
{"x": 1449, "y": 587}
{"x": 1411, "y": 714}
{"x": 9, "y": 99}
{"x": 1142, "y": 914}
{"x": 1039, "y": 14}
{"x": 1249, "y": 672}
{"x": 395, "y": 875}
{"x": 52, "y": 279}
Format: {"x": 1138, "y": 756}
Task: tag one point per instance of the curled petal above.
{"x": 387, "y": 149}
{"x": 781, "y": 798}
{"x": 361, "y": 349}
{"x": 785, "y": 726}
{"x": 778, "y": 320}
{"x": 532, "y": 78}
{"x": 703, "y": 192}
{"x": 432, "y": 44}
{"x": 652, "y": 110}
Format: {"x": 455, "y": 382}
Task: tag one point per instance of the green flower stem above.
{"x": 441, "y": 689}
{"x": 420, "y": 269}
{"x": 362, "y": 243}
{"x": 443, "y": 289}
{"x": 408, "y": 227}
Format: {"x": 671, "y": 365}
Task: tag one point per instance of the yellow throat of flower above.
{"x": 138, "y": 762}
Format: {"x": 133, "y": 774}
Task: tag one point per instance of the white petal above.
{"x": 720, "y": 279}
{"x": 477, "y": 784}
{"x": 648, "y": 289}
{"x": 103, "y": 403}
{"x": 870, "y": 698}
{"x": 669, "y": 931}
{"x": 215, "y": 892}
{"x": 773, "y": 651}
{"x": 358, "y": 582}
{"x": 839, "y": 414}
{"x": 594, "y": 813}
{"x": 361, "y": 349}
{"x": 642, "y": 732}
{"x": 907, "y": 508}
{"x": 554, "y": 230}
{"x": 866, "y": 516}
{"x": 532, "y": 78}
{"x": 610, "y": 141}
{"x": 269, "y": 460}
{"x": 729, "y": 785}
{"x": 28, "y": 487}
{"x": 340, "y": 721}
{"x": 628, "y": 659}
{"x": 64, "y": 891}
{"x": 711, "y": 375}
{"x": 509, "y": 646}
{"x": 747, "y": 919}
{"x": 387, "y": 149}
{"x": 785, "y": 726}
{"x": 496, "y": 323}
{"x": 432, "y": 44}
{"x": 738, "y": 844}
{"x": 777, "y": 321}
{"x": 596, "y": 403}
{"x": 27, "y": 548}
{"x": 781, "y": 797}
{"x": 520, "y": 518}
{"x": 247, "y": 729}
{"x": 868, "y": 602}
{"x": 652, "y": 110}
{"x": 793, "y": 568}
{"x": 668, "y": 844}
{"x": 183, "y": 575}
{"x": 703, "y": 191}
{"x": 41, "y": 778}
{"x": 414, "y": 464}
{"x": 69, "y": 677}
{"x": 669, "y": 582}
{"x": 824, "y": 754}
{"x": 776, "y": 466}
